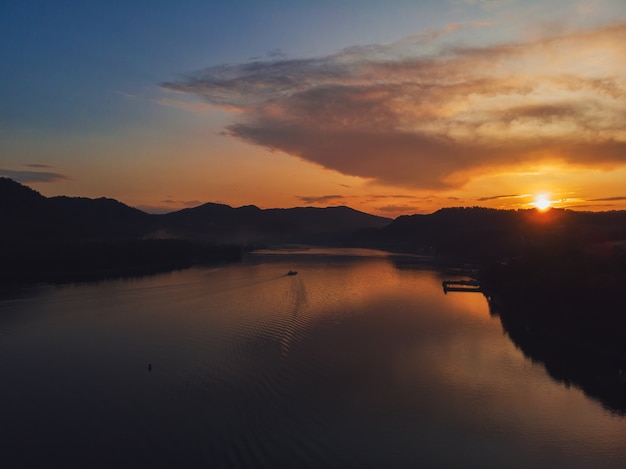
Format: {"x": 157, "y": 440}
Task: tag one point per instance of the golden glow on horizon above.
{"x": 444, "y": 112}
{"x": 542, "y": 202}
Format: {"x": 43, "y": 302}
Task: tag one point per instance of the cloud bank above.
{"x": 321, "y": 199}
{"x": 32, "y": 176}
{"x": 420, "y": 113}
{"x": 608, "y": 199}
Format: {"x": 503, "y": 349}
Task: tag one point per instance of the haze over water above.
{"x": 360, "y": 360}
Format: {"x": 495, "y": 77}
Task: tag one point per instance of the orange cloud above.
{"x": 422, "y": 114}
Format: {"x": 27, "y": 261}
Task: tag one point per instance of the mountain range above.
{"x": 28, "y": 215}
{"x": 473, "y": 233}
{"x": 487, "y": 235}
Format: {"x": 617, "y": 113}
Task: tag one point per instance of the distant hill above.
{"x": 16, "y": 198}
{"x": 27, "y": 215}
{"x": 483, "y": 234}
{"x": 471, "y": 233}
{"x": 22, "y": 210}
{"x": 250, "y": 224}
{"x": 61, "y": 239}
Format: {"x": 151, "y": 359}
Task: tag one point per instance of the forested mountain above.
{"x": 27, "y": 215}
{"x": 485, "y": 235}
{"x": 68, "y": 230}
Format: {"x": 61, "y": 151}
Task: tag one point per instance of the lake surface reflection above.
{"x": 353, "y": 362}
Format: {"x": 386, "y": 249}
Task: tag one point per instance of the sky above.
{"x": 390, "y": 107}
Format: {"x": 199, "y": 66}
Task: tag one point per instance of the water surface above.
{"x": 360, "y": 360}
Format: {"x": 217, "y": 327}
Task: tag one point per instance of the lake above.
{"x": 360, "y": 360}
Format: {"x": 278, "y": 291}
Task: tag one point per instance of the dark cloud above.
{"x": 37, "y": 165}
{"x": 406, "y": 159}
{"x": 398, "y": 209}
{"x": 592, "y": 206}
{"x": 32, "y": 176}
{"x": 319, "y": 199}
{"x": 496, "y": 197}
{"x": 420, "y": 114}
{"x": 394, "y": 196}
{"x": 607, "y": 199}
{"x": 182, "y": 203}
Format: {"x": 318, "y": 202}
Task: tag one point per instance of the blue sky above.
{"x": 119, "y": 99}
{"x": 61, "y": 56}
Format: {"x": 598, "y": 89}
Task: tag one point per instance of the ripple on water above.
{"x": 347, "y": 364}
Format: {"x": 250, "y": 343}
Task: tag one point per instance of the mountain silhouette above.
{"x": 28, "y": 215}
{"x": 75, "y": 238}
{"x": 250, "y": 224}
{"x": 486, "y": 235}
{"x": 473, "y": 233}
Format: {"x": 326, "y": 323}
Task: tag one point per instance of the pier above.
{"x": 471, "y": 286}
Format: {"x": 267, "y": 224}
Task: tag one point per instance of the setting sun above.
{"x": 542, "y": 202}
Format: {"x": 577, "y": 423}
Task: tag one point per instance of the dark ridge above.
{"x": 65, "y": 237}
{"x": 250, "y": 224}
{"x": 16, "y": 197}
{"x": 23, "y": 211}
{"x": 486, "y": 235}
{"x": 98, "y": 218}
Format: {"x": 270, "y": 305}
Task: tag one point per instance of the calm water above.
{"x": 358, "y": 361}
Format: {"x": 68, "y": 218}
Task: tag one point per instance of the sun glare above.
{"x": 542, "y": 202}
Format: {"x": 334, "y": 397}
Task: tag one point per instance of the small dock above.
{"x": 471, "y": 286}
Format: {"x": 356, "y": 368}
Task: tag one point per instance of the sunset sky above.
{"x": 390, "y": 107}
